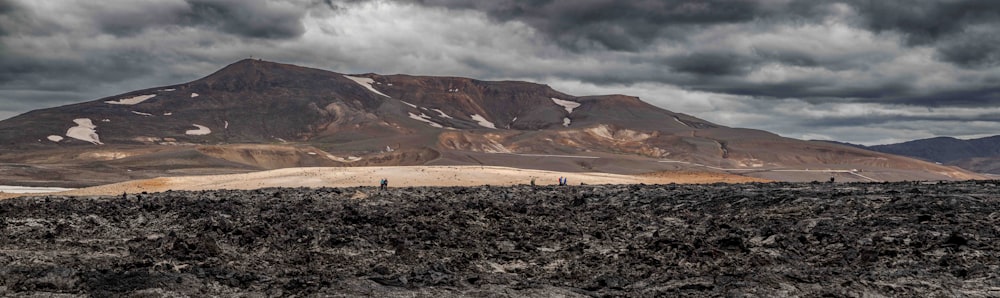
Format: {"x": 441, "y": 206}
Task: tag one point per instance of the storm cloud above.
{"x": 851, "y": 70}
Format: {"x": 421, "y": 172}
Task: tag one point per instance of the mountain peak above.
{"x": 250, "y": 64}
{"x": 252, "y": 74}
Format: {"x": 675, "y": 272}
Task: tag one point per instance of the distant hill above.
{"x": 979, "y": 155}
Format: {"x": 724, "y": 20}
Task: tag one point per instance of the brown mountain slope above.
{"x": 255, "y": 115}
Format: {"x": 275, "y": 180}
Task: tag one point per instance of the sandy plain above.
{"x": 404, "y": 176}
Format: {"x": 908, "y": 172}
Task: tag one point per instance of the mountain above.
{"x": 979, "y": 155}
{"x": 254, "y": 115}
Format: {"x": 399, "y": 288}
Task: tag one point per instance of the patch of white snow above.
{"x": 142, "y": 114}
{"x": 367, "y": 83}
{"x": 105, "y": 120}
{"x": 55, "y": 138}
{"x": 482, "y": 121}
{"x": 227, "y": 125}
{"x": 168, "y": 90}
{"x": 409, "y": 104}
{"x": 168, "y": 114}
{"x": 131, "y": 100}
{"x": 566, "y": 122}
{"x": 568, "y": 105}
{"x": 442, "y": 114}
{"x": 84, "y": 131}
{"x": 201, "y": 131}
{"x": 340, "y": 159}
{"x": 193, "y": 95}
{"x": 424, "y": 118}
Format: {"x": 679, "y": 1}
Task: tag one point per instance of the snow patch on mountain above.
{"x": 201, "y": 131}
{"x": 55, "y": 138}
{"x": 566, "y": 104}
{"x": 342, "y": 159}
{"x": 193, "y": 95}
{"x": 367, "y": 83}
{"x": 424, "y": 118}
{"x": 442, "y": 114}
{"x": 409, "y": 104}
{"x": 142, "y": 114}
{"x": 566, "y": 122}
{"x": 131, "y": 100}
{"x": 84, "y": 131}
{"x": 482, "y": 121}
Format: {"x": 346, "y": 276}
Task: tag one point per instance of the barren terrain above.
{"x": 743, "y": 240}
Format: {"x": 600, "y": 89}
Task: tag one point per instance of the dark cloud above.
{"x": 813, "y": 91}
{"x": 258, "y": 18}
{"x": 70, "y": 74}
{"x": 635, "y": 25}
{"x": 963, "y": 31}
{"x": 972, "y": 97}
{"x": 244, "y": 18}
{"x": 978, "y": 51}
{"x": 611, "y": 24}
{"x": 925, "y": 21}
{"x": 710, "y": 64}
{"x": 9, "y": 18}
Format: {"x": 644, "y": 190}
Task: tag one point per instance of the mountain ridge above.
{"x": 979, "y": 154}
{"x": 300, "y": 116}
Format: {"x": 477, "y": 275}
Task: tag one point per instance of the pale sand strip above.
{"x": 397, "y": 176}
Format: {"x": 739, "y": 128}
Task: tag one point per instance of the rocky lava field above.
{"x": 741, "y": 240}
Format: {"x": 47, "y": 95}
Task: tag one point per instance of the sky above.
{"x": 860, "y": 71}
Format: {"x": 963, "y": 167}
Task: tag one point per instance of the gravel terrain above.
{"x": 740, "y": 240}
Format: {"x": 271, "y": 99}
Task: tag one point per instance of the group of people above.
{"x": 562, "y": 181}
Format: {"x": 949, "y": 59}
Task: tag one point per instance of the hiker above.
{"x": 383, "y": 184}
{"x": 560, "y": 181}
{"x": 532, "y": 181}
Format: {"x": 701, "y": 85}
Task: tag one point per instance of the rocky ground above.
{"x": 746, "y": 240}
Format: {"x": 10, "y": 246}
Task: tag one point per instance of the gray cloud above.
{"x": 710, "y": 64}
{"x": 245, "y": 18}
{"x": 258, "y": 18}
{"x": 611, "y": 24}
{"x": 923, "y": 21}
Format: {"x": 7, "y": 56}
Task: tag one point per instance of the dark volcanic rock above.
{"x": 756, "y": 240}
